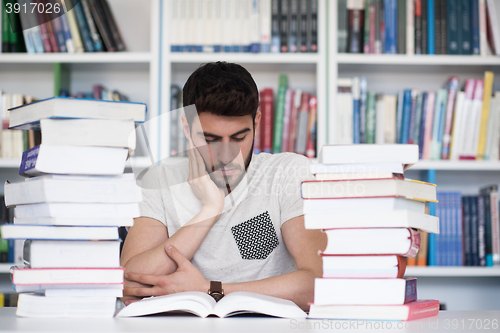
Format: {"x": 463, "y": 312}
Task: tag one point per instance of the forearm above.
{"x": 296, "y": 286}
{"x": 187, "y": 240}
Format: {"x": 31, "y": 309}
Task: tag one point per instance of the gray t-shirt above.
{"x": 245, "y": 244}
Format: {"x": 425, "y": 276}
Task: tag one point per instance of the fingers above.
{"x": 144, "y": 278}
{"x": 176, "y": 256}
{"x": 142, "y": 292}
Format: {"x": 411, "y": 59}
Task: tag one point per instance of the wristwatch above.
{"x": 216, "y": 290}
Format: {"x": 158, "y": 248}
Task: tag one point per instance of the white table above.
{"x": 463, "y": 321}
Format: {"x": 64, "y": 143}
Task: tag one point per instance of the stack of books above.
{"x": 71, "y": 204}
{"x": 371, "y": 216}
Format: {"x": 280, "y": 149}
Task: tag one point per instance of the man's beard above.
{"x": 226, "y": 183}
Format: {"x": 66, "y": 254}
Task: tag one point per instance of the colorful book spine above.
{"x": 96, "y": 38}
{"x": 279, "y": 114}
{"x": 83, "y": 27}
{"x": 438, "y": 124}
{"x": 488, "y": 89}
{"x": 453, "y": 86}
{"x": 423, "y": 124}
{"x": 311, "y": 128}
{"x": 413, "y": 116}
{"x": 406, "y": 117}
{"x": 356, "y": 109}
{"x": 390, "y": 24}
{"x": 371, "y": 112}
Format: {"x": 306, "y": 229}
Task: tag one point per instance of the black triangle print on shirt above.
{"x": 256, "y": 238}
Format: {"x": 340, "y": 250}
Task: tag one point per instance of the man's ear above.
{"x": 185, "y": 127}
{"x": 258, "y": 116}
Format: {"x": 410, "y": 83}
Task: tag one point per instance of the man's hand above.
{"x": 203, "y": 186}
{"x": 185, "y": 278}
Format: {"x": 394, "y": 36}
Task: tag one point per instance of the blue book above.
{"x": 405, "y": 122}
{"x": 474, "y": 10}
{"x": 430, "y": 27}
{"x": 431, "y": 255}
{"x": 466, "y": 202}
{"x": 438, "y": 124}
{"x": 356, "y": 116}
{"x": 423, "y": 120}
{"x": 67, "y": 34}
{"x": 460, "y": 226}
{"x": 465, "y": 27}
{"x": 83, "y": 28}
{"x": 391, "y": 26}
{"x": 452, "y": 26}
{"x": 399, "y": 115}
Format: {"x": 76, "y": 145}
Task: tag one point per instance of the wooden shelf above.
{"x": 98, "y": 57}
{"x": 416, "y": 60}
{"x": 438, "y": 271}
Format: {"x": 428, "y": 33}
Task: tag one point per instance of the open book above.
{"x": 203, "y": 305}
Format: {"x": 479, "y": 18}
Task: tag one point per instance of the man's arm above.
{"x": 296, "y": 286}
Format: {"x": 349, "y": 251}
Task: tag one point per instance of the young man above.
{"x": 224, "y": 215}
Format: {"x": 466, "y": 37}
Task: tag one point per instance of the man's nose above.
{"x": 226, "y": 152}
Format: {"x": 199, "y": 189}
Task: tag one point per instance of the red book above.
{"x": 294, "y": 115}
{"x": 289, "y": 97}
{"x": 410, "y": 311}
{"x": 50, "y": 30}
{"x": 311, "y": 128}
{"x": 267, "y": 109}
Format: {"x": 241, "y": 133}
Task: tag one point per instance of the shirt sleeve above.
{"x": 152, "y": 201}
{"x": 295, "y": 171}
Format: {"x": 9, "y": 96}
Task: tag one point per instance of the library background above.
{"x": 389, "y": 71}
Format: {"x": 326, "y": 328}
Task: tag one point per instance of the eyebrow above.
{"x": 220, "y": 137}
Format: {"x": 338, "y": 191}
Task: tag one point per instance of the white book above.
{"x": 344, "y": 112}
{"x": 410, "y": 27}
{"x": 208, "y": 28}
{"x": 174, "y": 31}
{"x": 81, "y": 210}
{"x": 203, "y": 305}
{"x": 361, "y": 168}
{"x": 67, "y": 276}
{"x": 199, "y": 24}
{"x": 389, "y": 219}
{"x": 190, "y": 25}
{"x": 380, "y": 120}
{"x": 369, "y": 153}
{"x": 73, "y": 160}
{"x": 360, "y": 291}
{"x": 254, "y": 26}
{"x": 227, "y": 25}
{"x": 237, "y": 26}
{"x": 77, "y": 221}
{"x": 458, "y": 126}
{"x": 182, "y": 26}
{"x": 72, "y": 253}
{"x": 28, "y": 116}
{"x": 39, "y": 306}
{"x": 49, "y": 189}
{"x": 83, "y": 293}
{"x": 89, "y": 132}
{"x": 265, "y": 25}
{"x": 48, "y": 232}
{"x": 217, "y": 24}
{"x": 475, "y": 125}
{"x": 390, "y": 102}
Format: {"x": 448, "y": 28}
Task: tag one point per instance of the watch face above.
{"x": 216, "y": 295}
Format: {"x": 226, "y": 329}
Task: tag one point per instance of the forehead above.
{"x": 221, "y": 125}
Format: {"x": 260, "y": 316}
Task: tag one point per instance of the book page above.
{"x": 194, "y": 302}
{"x": 247, "y": 302}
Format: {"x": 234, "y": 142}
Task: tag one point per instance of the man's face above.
{"x": 226, "y": 145}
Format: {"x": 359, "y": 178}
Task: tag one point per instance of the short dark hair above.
{"x": 223, "y": 89}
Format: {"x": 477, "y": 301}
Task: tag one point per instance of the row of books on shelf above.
{"x": 447, "y": 124}
{"x": 8, "y": 300}
{"x": 244, "y": 26}
{"x": 469, "y": 231}
{"x": 288, "y": 121}
{"x": 64, "y": 26}
{"x": 13, "y": 142}
{"x": 419, "y": 27}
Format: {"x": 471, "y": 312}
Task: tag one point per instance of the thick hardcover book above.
{"x": 275, "y": 26}
{"x": 76, "y": 221}
{"x": 475, "y": 36}
{"x": 417, "y": 309}
{"x": 312, "y": 32}
{"x": 49, "y": 232}
{"x": 364, "y": 291}
{"x": 83, "y": 27}
{"x": 115, "y": 31}
{"x": 77, "y": 210}
{"x": 465, "y": 26}
{"x": 96, "y": 38}
{"x": 102, "y": 25}
{"x": 202, "y": 305}
{"x": 453, "y": 13}
{"x": 293, "y": 26}
{"x": 279, "y": 114}
{"x": 284, "y": 26}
